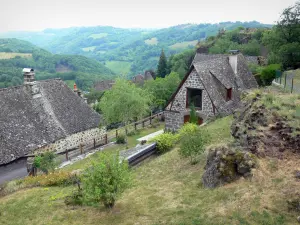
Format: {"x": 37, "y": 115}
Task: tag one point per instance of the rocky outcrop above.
{"x": 263, "y": 132}
{"x": 225, "y": 165}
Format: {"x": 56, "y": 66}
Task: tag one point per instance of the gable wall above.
{"x": 174, "y": 114}
{"x": 179, "y": 101}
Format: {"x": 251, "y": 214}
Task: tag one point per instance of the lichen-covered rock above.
{"x": 225, "y": 165}
{"x": 262, "y": 131}
{"x": 294, "y": 204}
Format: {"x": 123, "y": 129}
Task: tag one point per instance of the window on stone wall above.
{"x": 194, "y": 97}
{"x": 229, "y": 94}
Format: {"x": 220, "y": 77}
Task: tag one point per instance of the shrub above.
{"x": 193, "y": 144}
{"x": 106, "y": 180}
{"x": 165, "y": 142}
{"x": 268, "y": 74}
{"x": 121, "y": 139}
{"x": 45, "y": 162}
{"x": 193, "y": 115}
{"x": 133, "y": 132}
{"x": 76, "y": 198}
{"x": 59, "y": 178}
{"x": 188, "y": 129}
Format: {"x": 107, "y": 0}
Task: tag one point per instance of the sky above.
{"x": 35, "y": 15}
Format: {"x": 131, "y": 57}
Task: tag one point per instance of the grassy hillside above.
{"x": 139, "y": 47}
{"x": 167, "y": 190}
{"x": 18, "y": 54}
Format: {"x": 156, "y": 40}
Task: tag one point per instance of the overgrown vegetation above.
{"x": 106, "y": 180}
{"x": 45, "y": 162}
{"x": 192, "y": 142}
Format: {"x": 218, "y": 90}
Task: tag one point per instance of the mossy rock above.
{"x": 225, "y": 165}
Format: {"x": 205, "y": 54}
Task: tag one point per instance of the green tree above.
{"x": 106, "y": 180}
{"x": 125, "y": 102}
{"x": 162, "y": 67}
{"x": 284, "y": 39}
{"x": 162, "y": 88}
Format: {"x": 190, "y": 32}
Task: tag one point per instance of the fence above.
{"x": 288, "y": 80}
{"x": 108, "y": 137}
{"x": 134, "y": 126}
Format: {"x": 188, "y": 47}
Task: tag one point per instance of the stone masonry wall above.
{"x": 175, "y": 120}
{"x": 73, "y": 141}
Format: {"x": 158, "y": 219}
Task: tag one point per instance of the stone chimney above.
{"x": 79, "y": 93}
{"x": 29, "y": 83}
{"x": 28, "y": 75}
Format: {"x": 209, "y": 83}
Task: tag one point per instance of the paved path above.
{"x": 150, "y": 136}
{"x": 13, "y": 171}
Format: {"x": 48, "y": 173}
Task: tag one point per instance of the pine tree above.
{"x": 162, "y": 65}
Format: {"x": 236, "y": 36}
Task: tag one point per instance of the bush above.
{"x": 45, "y": 162}
{"x": 188, "y": 129}
{"x": 193, "y": 144}
{"x": 193, "y": 115}
{"x": 106, "y": 180}
{"x": 121, "y": 139}
{"x": 59, "y": 178}
{"x": 165, "y": 142}
{"x": 133, "y": 132}
{"x": 76, "y": 198}
{"x": 268, "y": 74}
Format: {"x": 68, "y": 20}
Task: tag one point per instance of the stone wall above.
{"x": 176, "y": 110}
{"x": 74, "y": 140}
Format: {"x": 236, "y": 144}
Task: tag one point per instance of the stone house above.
{"x": 44, "y": 115}
{"x": 104, "y": 85}
{"x": 213, "y": 85}
{"x": 140, "y": 79}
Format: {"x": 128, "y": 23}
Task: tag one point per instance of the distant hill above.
{"x": 127, "y": 51}
{"x": 17, "y": 54}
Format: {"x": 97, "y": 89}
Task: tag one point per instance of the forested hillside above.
{"x": 17, "y": 54}
{"x": 127, "y": 51}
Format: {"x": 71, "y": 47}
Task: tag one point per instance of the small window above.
{"x": 194, "y": 97}
{"x": 229, "y": 94}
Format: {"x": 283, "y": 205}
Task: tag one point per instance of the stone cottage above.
{"x": 43, "y": 115}
{"x": 213, "y": 85}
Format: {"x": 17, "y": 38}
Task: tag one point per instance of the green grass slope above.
{"x": 167, "y": 190}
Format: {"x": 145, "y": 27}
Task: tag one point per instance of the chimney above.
{"x": 76, "y": 90}
{"x": 28, "y": 74}
{"x": 233, "y": 60}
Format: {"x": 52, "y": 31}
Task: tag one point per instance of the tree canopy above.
{"x": 284, "y": 39}
{"x": 125, "y": 102}
{"x": 162, "y": 88}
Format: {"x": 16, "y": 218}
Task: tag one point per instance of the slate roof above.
{"x": 28, "y": 122}
{"x": 104, "y": 85}
{"x": 216, "y": 74}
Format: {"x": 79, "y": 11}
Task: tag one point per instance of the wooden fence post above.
{"x": 150, "y": 119}
{"x": 143, "y": 123}
{"x": 116, "y": 133}
{"x": 135, "y": 125}
{"x": 94, "y": 143}
{"x": 106, "y": 139}
{"x": 285, "y": 81}
{"x": 81, "y": 149}
{"x": 67, "y": 156}
{"x": 292, "y": 85}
